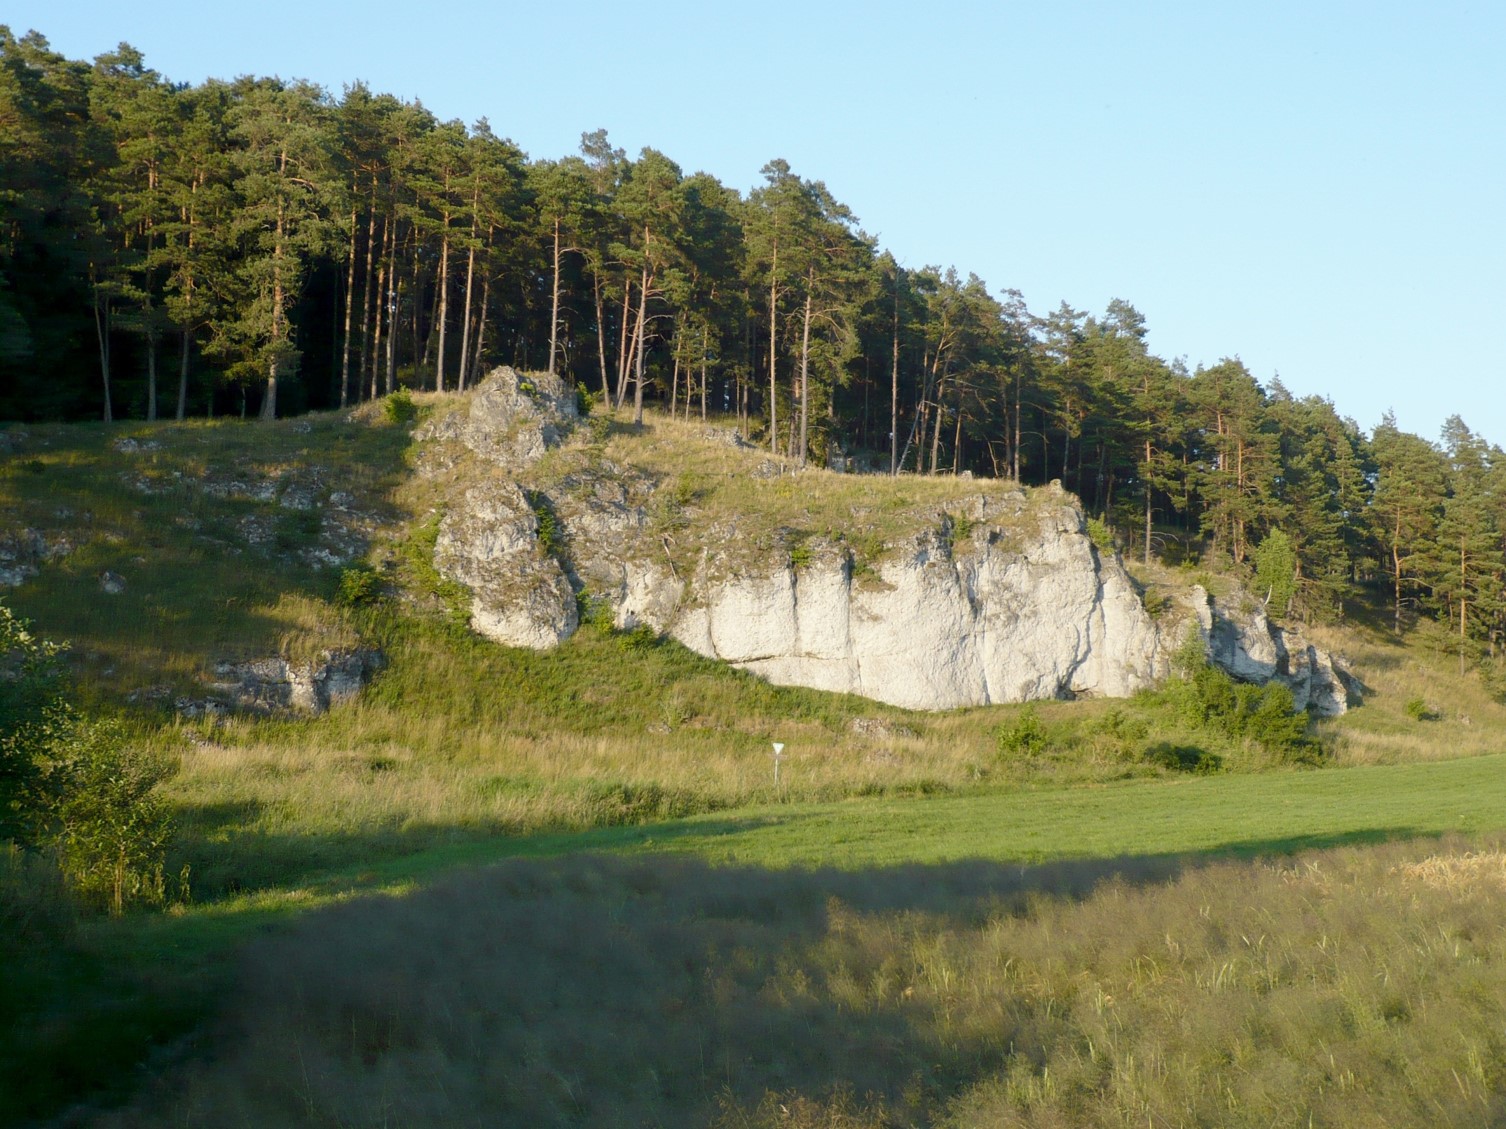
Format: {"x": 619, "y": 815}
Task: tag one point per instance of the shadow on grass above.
{"x": 563, "y": 985}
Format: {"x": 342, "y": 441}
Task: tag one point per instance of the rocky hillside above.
{"x": 925, "y": 593}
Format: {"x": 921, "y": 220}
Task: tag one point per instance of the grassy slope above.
{"x": 597, "y": 747}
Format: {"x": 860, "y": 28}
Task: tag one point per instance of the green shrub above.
{"x": 112, "y": 829}
{"x": 359, "y": 586}
{"x": 587, "y": 400}
{"x": 33, "y": 715}
{"x": 74, "y": 787}
{"x": 400, "y": 409}
{"x": 418, "y": 552}
{"x": 597, "y": 611}
{"x": 639, "y": 638}
{"x": 1122, "y": 725}
{"x": 550, "y": 536}
{"x": 1184, "y": 758}
{"x": 1418, "y": 709}
{"x": 1213, "y": 700}
{"x": 955, "y": 528}
{"x": 1023, "y": 735}
{"x": 1100, "y": 534}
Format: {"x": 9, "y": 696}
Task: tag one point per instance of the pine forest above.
{"x": 260, "y": 247}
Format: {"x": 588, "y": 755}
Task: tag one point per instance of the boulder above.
{"x": 274, "y": 684}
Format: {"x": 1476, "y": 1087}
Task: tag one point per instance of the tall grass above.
{"x": 1350, "y": 987}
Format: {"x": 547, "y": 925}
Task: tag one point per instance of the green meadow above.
{"x": 566, "y": 889}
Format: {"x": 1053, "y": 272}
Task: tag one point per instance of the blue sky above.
{"x": 1314, "y": 187}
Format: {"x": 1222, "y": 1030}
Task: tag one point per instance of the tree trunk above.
{"x": 1148, "y": 454}
{"x": 183, "y": 379}
{"x": 554, "y": 300}
{"x": 350, "y": 301}
{"x": 805, "y": 359}
{"x": 269, "y": 402}
{"x": 773, "y": 350}
{"x": 894, "y": 390}
{"x": 420, "y": 357}
{"x": 486, "y": 290}
{"x": 936, "y": 430}
{"x": 389, "y": 344}
{"x": 1018, "y": 405}
{"x": 444, "y": 303}
{"x": 379, "y": 317}
{"x": 639, "y": 346}
{"x": 102, "y": 331}
{"x": 368, "y": 314}
{"x": 624, "y": 355}
{"x": 470, "y": 274}
{"x": 390, "y": 274}
{"x": 601, "y": 338}
{"x": 151, "y": 374}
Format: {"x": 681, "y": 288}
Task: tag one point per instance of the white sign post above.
{"x": 778, "y": 752}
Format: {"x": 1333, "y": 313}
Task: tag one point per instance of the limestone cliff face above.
{"x": 1007, "y": 601}
{"x": 1022, "y": 607}
{"x": 1253, "y": 649}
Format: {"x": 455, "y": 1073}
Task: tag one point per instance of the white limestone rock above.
{"x": 1034, "y": 614}
{"x": 512, "y": 419}
{"x": 519, "y": 594}
{"x": 1251, "y": 648}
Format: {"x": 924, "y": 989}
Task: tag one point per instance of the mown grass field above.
{"x": 565, "y": 889}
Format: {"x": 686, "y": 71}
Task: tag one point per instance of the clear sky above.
{"x": 1316, "y": 187}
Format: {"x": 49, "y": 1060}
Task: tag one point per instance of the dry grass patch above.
{"x": 1466, "y": 872}
{"x": 1319, "y": 991}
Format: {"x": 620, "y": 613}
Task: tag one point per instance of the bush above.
{"x": 111, "y": 829}
{"x": 1276, "y": 570}
{"x": 359, "y": 586}
{"x": 73, "y": 786}
{"x": 639, "y": 638}
{"x": 1022, "y": 736}
{"x": 1419, "y": 710}
{"x": 1101, "y": 535}
{"x": 33, "y": 714}
{"x": 1211, "y": 699}
{"x": 550, "y": 539}
{"x": 1184, "y": 758}
{"x": 596, "y": 611}
{"x": 955, "y": 528}
{"x": 400, "y": 408}
{"x": 587, "y": 400}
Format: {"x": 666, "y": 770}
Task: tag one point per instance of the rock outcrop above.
{"x": 1024, "y": 607}
{"x": 1253, "y": 649}
{"x": 520, "y": 595}
{"x": 1010, "y": 600}
{"x": 275, "y": 685}
{"x": 512, "y": 419}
